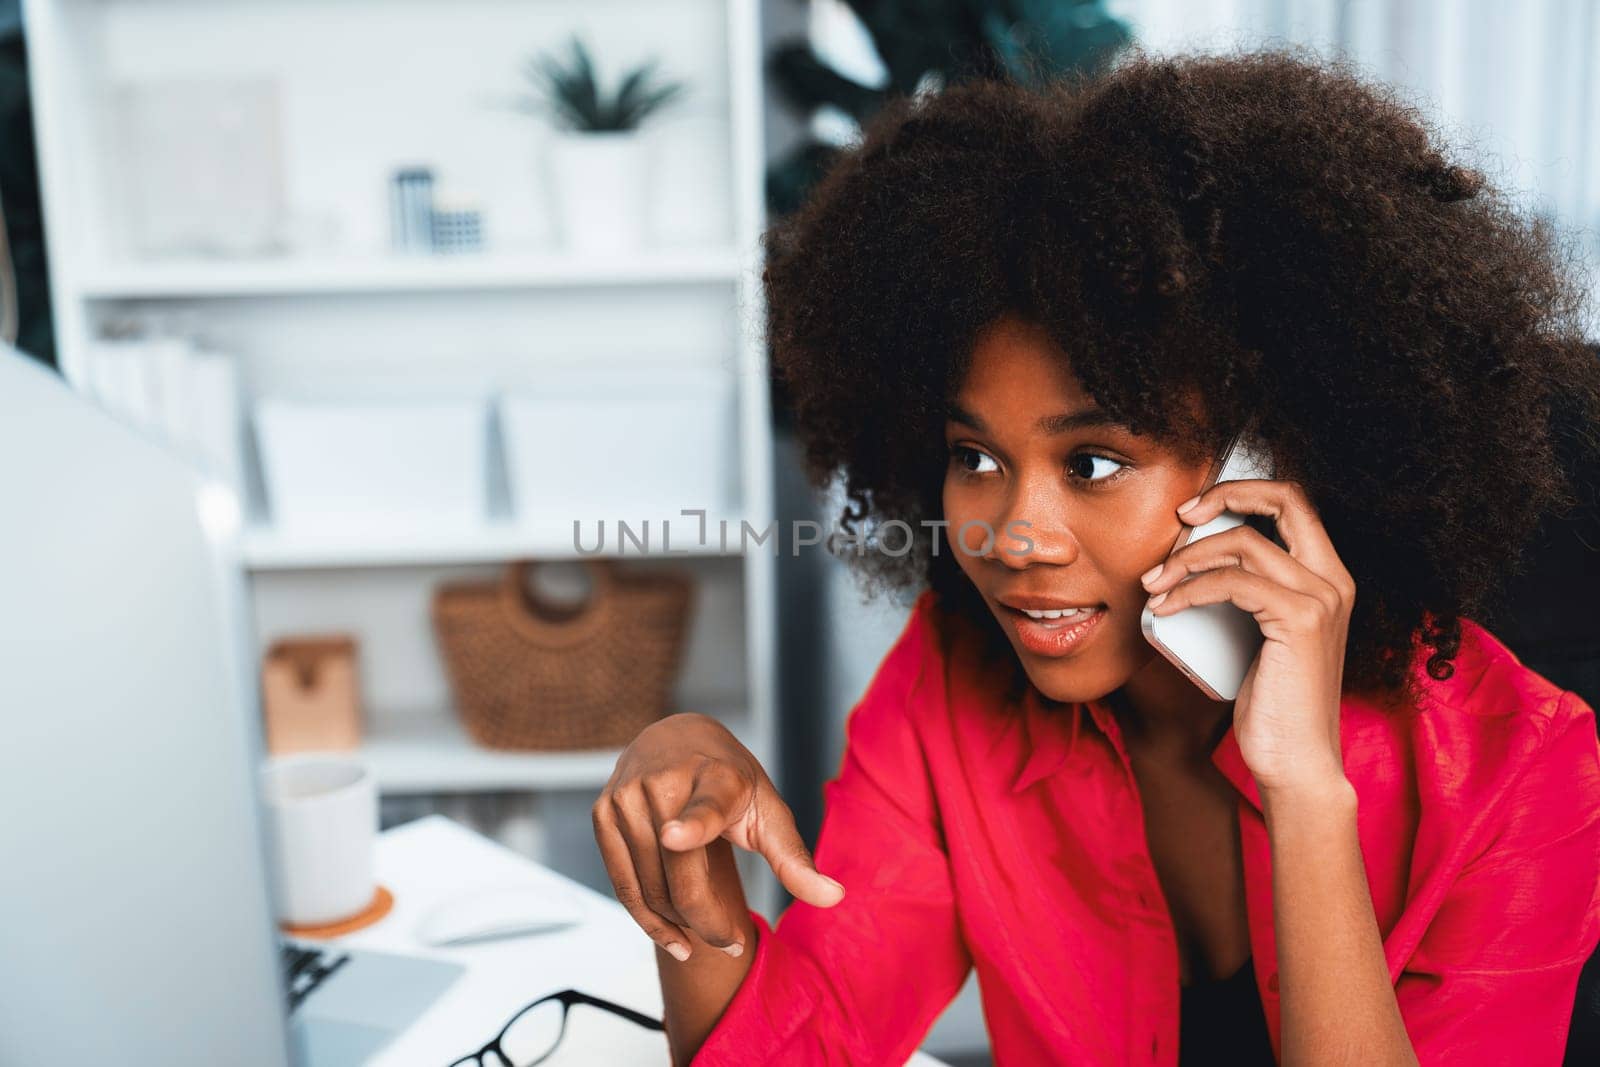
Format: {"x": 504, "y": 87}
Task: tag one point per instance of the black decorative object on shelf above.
{"x": 411, "y": 209}
{"x": 457, "y": 230}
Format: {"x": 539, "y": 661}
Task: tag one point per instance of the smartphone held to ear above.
{"x": 1214, "y": 644}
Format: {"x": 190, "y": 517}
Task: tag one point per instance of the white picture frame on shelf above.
{"x": 198, "y": 168}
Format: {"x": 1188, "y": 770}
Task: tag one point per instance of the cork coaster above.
{"x": 382, "y": 903}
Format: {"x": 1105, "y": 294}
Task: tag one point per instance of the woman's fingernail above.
{"x": 835, "y": 882}
{"x": 1187, "y": 504}
{"x": 1150, "y": 575}
{"x": 1158, "y": 598}
{"x": 736, "y": 949}
{"x": 679, "y": 953}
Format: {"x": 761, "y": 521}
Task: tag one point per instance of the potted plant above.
{"x": 598, "y": 164}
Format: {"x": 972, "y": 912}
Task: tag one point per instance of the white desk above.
{"x": 430, "y": 860}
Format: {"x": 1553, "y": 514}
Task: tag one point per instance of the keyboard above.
{"x": 305, "y": 967}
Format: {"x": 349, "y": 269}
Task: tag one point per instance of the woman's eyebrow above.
{"x": 1050, "y": 424}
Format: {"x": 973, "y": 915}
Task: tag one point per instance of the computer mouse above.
{"x": 506, "y": 911}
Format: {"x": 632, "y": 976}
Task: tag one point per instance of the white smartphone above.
{"x": 1214, "y": 644}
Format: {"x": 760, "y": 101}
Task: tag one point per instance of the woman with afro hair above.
{"x": 1019, "y": 325}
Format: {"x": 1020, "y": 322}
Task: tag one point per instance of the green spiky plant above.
{"x": 925, "y": 43}
{"x": 571, "y": 93}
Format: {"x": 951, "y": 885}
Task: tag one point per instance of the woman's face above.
{"x": 1032, "y": 459}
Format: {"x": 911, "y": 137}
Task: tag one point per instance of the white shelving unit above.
{"x": 432, "y": 754}
{"x": 400, "y": 275}
{"x": 365, "y": 86}
{"x": 268, "y": 549}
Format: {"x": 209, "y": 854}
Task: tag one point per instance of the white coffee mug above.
{"x": 322, "y": 811}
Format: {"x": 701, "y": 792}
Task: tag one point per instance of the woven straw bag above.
{"x": 525, "y": 677}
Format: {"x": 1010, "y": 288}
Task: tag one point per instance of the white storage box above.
{"x": 624, "y": 445}
{"x": 340, "y": 464}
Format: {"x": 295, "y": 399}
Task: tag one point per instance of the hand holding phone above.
{"x": 1214, "y": 644}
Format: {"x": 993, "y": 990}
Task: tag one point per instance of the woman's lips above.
{"x": 1053, "y": 637}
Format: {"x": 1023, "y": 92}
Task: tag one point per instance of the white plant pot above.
{"x": 332, "y": 465}
{"x": 628, "y": 446}
{"x": 601, "y": 188}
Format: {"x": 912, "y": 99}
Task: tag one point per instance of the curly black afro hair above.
{"x": 1268, "y": 228}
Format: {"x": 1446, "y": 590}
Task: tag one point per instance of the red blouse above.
{"x": 969, "y": 832}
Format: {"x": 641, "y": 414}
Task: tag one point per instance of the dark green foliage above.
{"x": 942, "y": 42}
{"x": 571, "y": 92}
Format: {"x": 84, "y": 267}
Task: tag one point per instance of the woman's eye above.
{"x": 1082, "y": 464}
{"x": 971, "y": 460}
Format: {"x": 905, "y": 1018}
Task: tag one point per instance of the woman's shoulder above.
{"x": 1492, "y": 727}
{"x": 1501, "y": 790}
{"x": 938, "y": 656}
{"x": 1491, "y": 687}
{"x": 1489, "y": 679}
{"x": 913, "y": 656}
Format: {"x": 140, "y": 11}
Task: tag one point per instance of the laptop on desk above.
{"x": 135, "y": 912}
{"x": 346, "y": 1005}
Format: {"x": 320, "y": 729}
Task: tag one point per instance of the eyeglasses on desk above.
{"x": 534, "y": 1032}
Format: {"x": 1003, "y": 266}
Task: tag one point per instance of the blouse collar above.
{"x": 1051, "y": 734}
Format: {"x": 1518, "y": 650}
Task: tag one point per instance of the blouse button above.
{"x": 1272, "y": 981}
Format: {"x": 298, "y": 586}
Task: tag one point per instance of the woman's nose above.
{"x": 1034, "y": 529}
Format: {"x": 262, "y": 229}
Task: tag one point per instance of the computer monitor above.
{"x": 131, "y": 836}
{"x": 132, "y": 833}
{"x": 135, "y": 912}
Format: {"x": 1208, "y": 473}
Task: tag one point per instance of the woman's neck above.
{"x": 1159, "y": 708}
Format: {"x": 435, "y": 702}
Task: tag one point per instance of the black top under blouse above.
{"x": 1222, "y": 1022}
